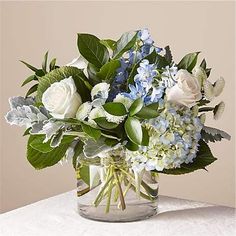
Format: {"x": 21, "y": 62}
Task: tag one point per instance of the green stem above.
{"x": 122, "y": 200}
{"x": 101, "y": 192}
{"x": 109, "y": 197}
{"x": 206, "y": 109}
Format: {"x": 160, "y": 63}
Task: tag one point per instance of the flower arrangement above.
{"x": 125, "y": 101}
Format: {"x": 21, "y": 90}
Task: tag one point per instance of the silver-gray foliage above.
{"x": 24, "y": 113}
{"x": 210, "y": 134}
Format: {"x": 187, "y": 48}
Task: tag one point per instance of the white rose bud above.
{"x": 200, "y": 74}
{"x": 187, "y": 90}
{"x": 219, "y": 86}
{"x": 61, "y": 99}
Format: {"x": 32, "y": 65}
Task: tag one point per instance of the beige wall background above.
{"x": 29, "y": 29}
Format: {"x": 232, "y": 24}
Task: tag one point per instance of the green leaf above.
{"x": 52, "y": 64}
{"x": 39, "y": 73}
{"x": 27, "y": 132}
{"x": 161, "y": 61}
{"x": 39, "y": 145}
{"x": 132, "y": 146}
{"x": 82, "y": 85}
{"x": 145, "y": 140}
{"x": 189, "y": 61}
{"x": 44, "y": 64}
{"x": 32, "y": 90}
{"x": 111, "y": 142}
{"x": 92, "y": 132}
{"x": 203, "y": 159}
{"x": 83, "y": 173}
{"x": 133, "y": 130}
{"x": 29, "y": 66}
{"x": 103, "y": 123}
{"x": 208, "y": 71}
{"x": 153, "y": 106}
{"x": 115, "y": 108}
{"x": 126, "y": 42}
{"x": 109, "y": 43}
{"x": 203, "y": 64}
{"x": 41, "y": 160}
{"x": 77, "y": 151}
{"x": 29, "y": 79}
{"x": 92, "y": 50}
{"x": 136, "y": 106}
{"x": 147, "y": 113}
{"x": 92, "y": 74}
{"x": 108, "y": 70}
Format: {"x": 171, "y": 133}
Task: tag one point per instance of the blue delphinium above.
{"x": 119, "y": 80}
{"x": 143, "y": 84}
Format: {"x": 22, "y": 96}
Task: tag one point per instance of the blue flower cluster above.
{"x": 143, "y": 84}
{"x": 174, "y": 137}
{"x": 146, "y": 47}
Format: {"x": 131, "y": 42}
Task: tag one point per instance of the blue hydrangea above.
{"x": 174, "y": 137}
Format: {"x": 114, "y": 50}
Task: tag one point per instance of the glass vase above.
{"x": 119, "y": 193}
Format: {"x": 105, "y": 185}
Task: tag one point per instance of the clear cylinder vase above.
{"x": 120, "y": 194}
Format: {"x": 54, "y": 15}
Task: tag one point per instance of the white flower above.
{"x": 61, "y": 99}
{"x": 208, "y": 90}
{"x": 218, "y": 110}
{"x": 219, "y": 86}
{"x": 78, "y": 62}
{"x": 83, "y": 111}
{"x": 200, "y": 74}
{"x": 187, "y": 90}
{"x": 100, "y": 90}
{"x": 127, "y": 102}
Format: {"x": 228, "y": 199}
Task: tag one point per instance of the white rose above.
{"x": 61, "y": 99}
{"x": 187, "y": 90}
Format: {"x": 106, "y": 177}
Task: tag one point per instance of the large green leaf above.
{"x": 136, "y": 106}
{"x": 109, "y": 43}
{"x": 38, "y": 144}
{"x": 115, "y": 108}
{"x": 147, "y": 113}
{"x": 92, "y": 132}
{"x": 92, "y": 50}
{"x": 77, "y": 151}
{"x": 203, "y": 159}
{"x": 40, "y": 160}
{"x": 133, "y": 130}
{"x": 126, "y": 42}
{"x": 189, "y": 61}
{"x": 108, "y": 70}
{"x": 103, "y": 123}
{"x": 83, "y": 87}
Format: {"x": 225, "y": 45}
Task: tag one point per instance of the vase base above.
{"x": 135, "y": 212}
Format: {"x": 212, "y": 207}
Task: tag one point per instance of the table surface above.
{"x": 58, "y": 216}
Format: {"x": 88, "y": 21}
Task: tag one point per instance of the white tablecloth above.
{"x": 57, "y": 216}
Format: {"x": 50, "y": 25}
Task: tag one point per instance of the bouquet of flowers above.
{"x": 123, "y": 110}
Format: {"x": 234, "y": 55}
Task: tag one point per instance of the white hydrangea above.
{"x": 127, "y": 102}
{"x": 174, "y": 137}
